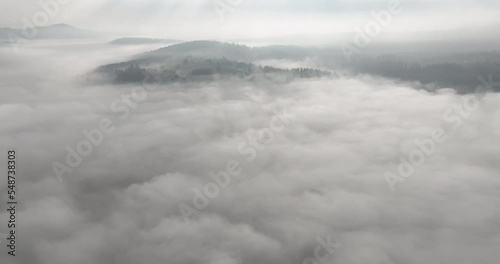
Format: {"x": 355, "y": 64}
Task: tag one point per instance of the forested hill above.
{"x": 210, "y": 60}
{"x": 196, "y": 69}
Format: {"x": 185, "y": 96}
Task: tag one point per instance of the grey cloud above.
{"x": 322, "y": 176}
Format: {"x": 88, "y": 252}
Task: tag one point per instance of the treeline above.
{"x": 191, "y": 69}
{"x": 461, "y": 76}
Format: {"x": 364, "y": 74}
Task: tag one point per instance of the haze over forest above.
{"x": 250, "y": 132}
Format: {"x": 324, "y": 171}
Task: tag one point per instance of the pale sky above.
{"x": 251, "y": 18}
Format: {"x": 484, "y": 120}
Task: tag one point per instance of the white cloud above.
{"x": 322, "y": 176}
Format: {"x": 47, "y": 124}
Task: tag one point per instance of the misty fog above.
{"x": 249, "y": 132}
{"x": 322, "y": 174}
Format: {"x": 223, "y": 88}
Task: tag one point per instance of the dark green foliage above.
{"x": 132, "y": 74}
{"x": 195, "y": 69}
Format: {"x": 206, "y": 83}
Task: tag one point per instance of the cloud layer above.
{"x": 323, "y": 175}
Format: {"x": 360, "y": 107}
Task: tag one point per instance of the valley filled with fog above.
{"x": 230, "y": 154}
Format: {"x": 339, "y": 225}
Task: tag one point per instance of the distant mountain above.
{"x": 214, "y": 49}
{"x": 172, "y": 55}
{"x": 58, "y": 31}
{"x": 201, "y": 49}
{"x": 140, "y": 41}
{"x": 210, "y": 60}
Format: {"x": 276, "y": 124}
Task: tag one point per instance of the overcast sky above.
{"x": 253, "y": 18}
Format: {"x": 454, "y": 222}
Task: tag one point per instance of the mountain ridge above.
{"x": 55, "y": 31}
